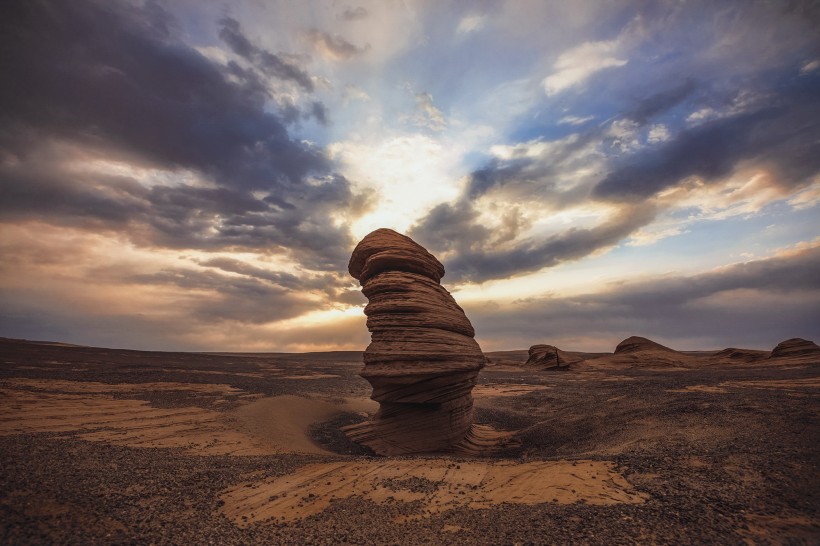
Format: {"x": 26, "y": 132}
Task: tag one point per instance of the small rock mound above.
{"x": 547, "y": 357}
{"x": 795, "y": 347}
{"x": 636, "y": 344}
{"x": 743, "y": 355}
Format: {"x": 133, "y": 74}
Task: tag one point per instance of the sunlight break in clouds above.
{"x": 404, "y": 174}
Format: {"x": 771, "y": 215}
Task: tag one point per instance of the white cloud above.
{"x": 743, "y": 101}
{"x": 353, "y": 92}
{"x": 215, "y": 54}
{"x": 658, "y": 133}
{"x": 576, "y": 65}
{"x": 624, "y": 135}
{"x": 807, "y": 198}
{"x": 574, "y": 120}
{"x": 471, "y": 23}
{"x": 655, "y": 232}
{"x": 704, "y": 114}
{"x": 426, "y": 115}
{"x": 809, "y": 67}
{"x": 742, "y": 194}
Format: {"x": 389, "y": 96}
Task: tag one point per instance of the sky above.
{"x": 194, "y": 174}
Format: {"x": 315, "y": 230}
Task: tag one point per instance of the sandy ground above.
{"x": 101, "y": 446}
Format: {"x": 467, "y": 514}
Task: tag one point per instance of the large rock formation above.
{"x": 545, "y": 357}
{"x": 637, "y": 344}
{"x": 795, "y": 347}
{"x": 639, "y": 351}
{"x": 422, "y": 361}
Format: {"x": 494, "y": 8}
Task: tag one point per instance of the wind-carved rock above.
{"x": 548, "y": 357}
{"x": 795, "y": 347}
{"x": 422, "y": 360}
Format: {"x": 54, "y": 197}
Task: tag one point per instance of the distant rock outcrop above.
{"x": 422, "y": 360}
{"x": 743, "y": 355}
{"x": 795, "y": 347}
{"x": 638, "y": 351}
{"x": 636, "y": 344}
{"x": 545, "y": 357}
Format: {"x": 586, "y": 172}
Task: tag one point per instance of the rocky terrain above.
{"x": 102, "y": 446}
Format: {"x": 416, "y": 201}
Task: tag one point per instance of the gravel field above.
{"x": 724, "y": 453}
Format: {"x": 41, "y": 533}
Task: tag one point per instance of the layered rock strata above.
{"x": 640, "y": 351}
{"x": 637, "y": 344}
{"x": 742, "y": 355}
{"x": 422, "y": 360}
{"x": 795, "y": 347}
{"x": 544, "y": 357}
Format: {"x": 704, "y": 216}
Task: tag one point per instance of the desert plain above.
{"x": 648, "y": 445}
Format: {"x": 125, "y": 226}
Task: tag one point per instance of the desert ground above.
{"x": 102, "y": 446}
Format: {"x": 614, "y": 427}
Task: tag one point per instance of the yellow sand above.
{"x": 780, "y": 384}
{"x": 505, "y": 389}
{"x": 473, "y": 484}
{"x": 259, "y": 427}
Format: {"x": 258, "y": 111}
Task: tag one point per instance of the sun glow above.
{"x": 408, "y": 174}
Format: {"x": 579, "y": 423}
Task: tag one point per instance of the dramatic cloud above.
{"x": 108, "y": 82}
{"x": 481, "y": 253}
{"x": 757, "y": 152}
{"x": 779, "y": 136}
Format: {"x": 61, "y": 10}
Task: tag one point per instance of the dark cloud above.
{"x": 337, "y": 286}
{"x": 353, "y": 14}
{"x": 239, "y": 299}
{"x": 755, "y": 305}
{"x": 660, "y": 102}
{"x": 98, "y": 80}
{"x": 112, "y": 80}
{"x": 782, "y": 136}
{"x": 334, "y": 47}
{"x": 779, "y": 134}
{"x": 184, "y": 216}
{"x": 319, "y": 111}
{"x": 279, "y": 278}
{"x": 540, "y": 177}
{"x": 478, "y": 257}
{"x": 271, "y": 64}
{"x": 451, "y": 227}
